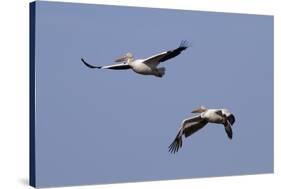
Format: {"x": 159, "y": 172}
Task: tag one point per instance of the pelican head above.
{"x": 127, "y": 57}
{"x": 199, "y": 110}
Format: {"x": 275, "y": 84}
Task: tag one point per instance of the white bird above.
{"x": 193, "y": 124}
{"x": 146, "y": 66}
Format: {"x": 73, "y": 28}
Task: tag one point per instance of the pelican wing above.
{"x": 189, "y": 126}
{"x": 161, "y": 57}
{"x": 193, "y": 119}
{"x": 228, "y": 129}
{"x": 120, "y": 66}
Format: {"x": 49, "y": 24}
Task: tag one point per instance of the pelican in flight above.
{"x": 193, "y": 124}
{"x": 146, "y": 66}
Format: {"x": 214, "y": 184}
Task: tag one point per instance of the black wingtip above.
{"x": 89, "y": 65}
{"x": 184, "y": 45}
{"x": 228, "y": 131}
{"x": 175, "y": 146}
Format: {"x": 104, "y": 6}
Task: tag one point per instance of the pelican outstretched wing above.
{"x": 189, "y": 126}
{"x": 161, "y": 57}
{"x": 228, "y": 129}
{"x": 121, "y": 66}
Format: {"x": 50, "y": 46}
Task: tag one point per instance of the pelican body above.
{"x": 148, "y": 66}
{"x": 205, "y": 116}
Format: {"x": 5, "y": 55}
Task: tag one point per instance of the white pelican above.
{"x": 146, "y": 66}
{"x": 193, "y": 124}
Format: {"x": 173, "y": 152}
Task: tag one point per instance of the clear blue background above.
{"x": 104, "y": 126}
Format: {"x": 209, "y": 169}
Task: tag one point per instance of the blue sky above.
{"x": 104, "y": 126}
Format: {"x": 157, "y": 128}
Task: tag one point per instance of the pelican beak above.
{"x": 196, "y": 111}
{"x": 122, "y": 59}
{"x": 199, "y": 110}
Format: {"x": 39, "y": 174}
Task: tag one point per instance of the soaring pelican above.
{"x": 146, "y": 66}
{"x": 193, "y": 124}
